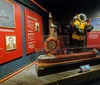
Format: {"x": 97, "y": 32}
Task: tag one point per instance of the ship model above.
{"x": 67, "y": 57}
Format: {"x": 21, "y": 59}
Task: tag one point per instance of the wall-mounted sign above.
{"x": 93, "y": 40}
{"x": 33, "y": 27}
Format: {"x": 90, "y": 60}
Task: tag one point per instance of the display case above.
{"x": 53, "y": 57}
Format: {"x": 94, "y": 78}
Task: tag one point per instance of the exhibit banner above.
{"x": 10, "y": 31}
{"x": 33, "y": 27}
{"x": 93, "y": 40}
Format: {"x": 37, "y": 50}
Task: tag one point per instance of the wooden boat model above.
{"x": 68, "y": 57}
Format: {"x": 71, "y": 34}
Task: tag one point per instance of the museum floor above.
{"x": 72, "y": 77}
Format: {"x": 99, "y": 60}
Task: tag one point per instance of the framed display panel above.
{"x": 33, "y": 28}
{"x": 7, "y": 14}
{"x": 7, "y": 54}
{"x": 37, "y": 27}
{"x": 11, "y": 43}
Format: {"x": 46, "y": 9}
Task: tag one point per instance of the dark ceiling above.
{"x": 64, "y": 10}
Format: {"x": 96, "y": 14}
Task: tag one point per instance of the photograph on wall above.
{"x": 37, "y": 27}
{"x": 7, "y": 18}
{"x": 10, "y": 43}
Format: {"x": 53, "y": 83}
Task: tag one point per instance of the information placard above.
{"x": 33, "y": 27}
{"x": 93, "y": 40}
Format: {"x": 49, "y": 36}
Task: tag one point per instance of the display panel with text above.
{"x": 33, "y": 27}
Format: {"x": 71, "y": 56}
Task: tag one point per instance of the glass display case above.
{"x": 59, "y": 51}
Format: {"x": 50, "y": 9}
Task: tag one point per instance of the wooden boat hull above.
{"x": 69, "y": 57}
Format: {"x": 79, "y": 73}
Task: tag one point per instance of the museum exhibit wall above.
{"x": 13, "y": 59}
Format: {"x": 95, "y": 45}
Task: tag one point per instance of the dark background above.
{"x": 64, "y": 10}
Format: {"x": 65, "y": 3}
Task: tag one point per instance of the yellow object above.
{"x": 81, "y": 26}
{"x": 48, "y": 54}
{"x": 77, "y": 37}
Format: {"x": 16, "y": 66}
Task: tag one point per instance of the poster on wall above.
{"x": 33, "y": 27}
{"x": 10, "y": 39}
{"x": 7, "y": 16}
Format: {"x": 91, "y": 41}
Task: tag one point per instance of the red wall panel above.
{"x": 93, "y": 40}
{"x": 6, "y": 56}
{"x": 33, "y": 19}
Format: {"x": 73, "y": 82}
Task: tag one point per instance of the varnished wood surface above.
{"x": 44, "y": 65}
{"x": 68, "y": 57}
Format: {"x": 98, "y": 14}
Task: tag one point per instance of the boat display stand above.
{"x": 50, "y": 64}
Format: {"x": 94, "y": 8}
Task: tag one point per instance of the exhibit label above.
{"x": 32, "y": 27}
{"x": 93, "y": 40}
